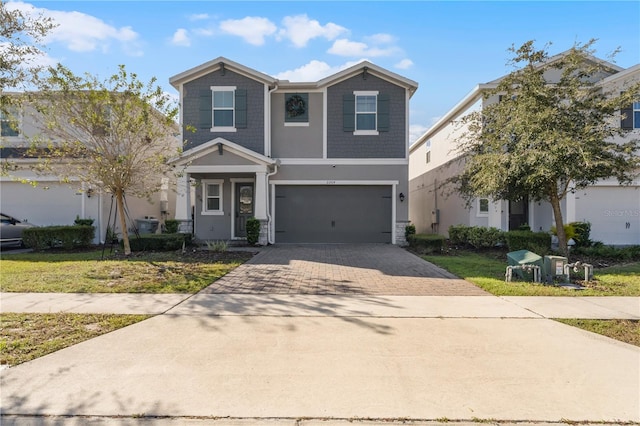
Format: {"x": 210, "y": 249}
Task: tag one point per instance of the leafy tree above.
{"x": 546, "y": 138}
{"x": 115, "y": 134}
{"x": 21, "y": 37}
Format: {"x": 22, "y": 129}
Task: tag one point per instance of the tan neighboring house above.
{"x": 613, "y": 210}
{"x": 44, "y": 200}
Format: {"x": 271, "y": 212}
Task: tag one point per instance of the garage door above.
{"x": 333, "y": 214}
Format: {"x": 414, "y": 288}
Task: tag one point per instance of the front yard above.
{"x": 24, "y": 337}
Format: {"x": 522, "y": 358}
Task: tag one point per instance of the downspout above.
{"x": 275, "y": 169}
{"x": 269, "y": 234}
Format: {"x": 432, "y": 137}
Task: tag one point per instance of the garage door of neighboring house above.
{"x": 333, "y": 214}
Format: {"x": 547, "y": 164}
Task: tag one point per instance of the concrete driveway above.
{"x": 275, "y": 359}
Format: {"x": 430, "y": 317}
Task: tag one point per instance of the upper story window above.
{"x": 9, "y": 123}
{"x": 366, "y": 112}
{"x": 223, "y": 109}
{"x": 428, "y": 157}
{"x": 212, "y": 197}
{"x": 631, "y": 117}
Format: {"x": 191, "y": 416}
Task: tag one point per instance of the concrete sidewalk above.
{"x": 329, "y": 305}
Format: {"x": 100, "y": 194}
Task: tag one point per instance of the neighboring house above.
{"x": 316, "y": 162}
{"x": 613, "y": 210}
{"x": 44, "y": 200}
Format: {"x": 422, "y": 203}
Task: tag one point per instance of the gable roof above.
{"x": 214, "y": 145}
{"x": 364, "y": 66}
{"x": 216, "y": 64}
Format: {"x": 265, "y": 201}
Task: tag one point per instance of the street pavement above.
{"x": 330, "y": 359}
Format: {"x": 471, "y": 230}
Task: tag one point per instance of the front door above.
{"x": 518, "y": 213}
{"x": 244, "y": 207}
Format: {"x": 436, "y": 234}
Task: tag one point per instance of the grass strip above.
{"x": 627, "y": 331}
{"x": 488, "y": 272}
{"x": 24, "y": 337}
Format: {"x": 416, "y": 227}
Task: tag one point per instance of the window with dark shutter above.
{"x": 205, "y": 112}
{"x": 383, "y": 112}
{"x": 626, "y": 117}
{"x": 241, "y": 108}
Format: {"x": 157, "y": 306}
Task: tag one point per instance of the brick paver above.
{"x": 339, "y": 269}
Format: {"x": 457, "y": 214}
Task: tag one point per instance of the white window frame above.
{"x": 358, "y": 93}
{"x": 14, "y": 114}
{"x": 205, "y": 197}
{"x": 479, "y": 212}
{"x": 635, "y": 108}
{"x": 231, "y": 89}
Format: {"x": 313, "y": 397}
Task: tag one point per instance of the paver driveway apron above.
{"x": 341, "y": 269}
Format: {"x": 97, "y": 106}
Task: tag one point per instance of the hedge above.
{"x": 426, "y": 243}
{"x": 475, "y": 236}
{"x": 537, "y": 242}
{"x": 158, "y": 242}
{"x": 67, "y": 237}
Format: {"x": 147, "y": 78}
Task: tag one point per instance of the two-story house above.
{"x": 613, "y": 210}
{"x": 46, "y": 199}
{"x": 314, "y": 162}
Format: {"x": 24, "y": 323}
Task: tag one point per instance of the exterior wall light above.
{"x": 401, "y": 196}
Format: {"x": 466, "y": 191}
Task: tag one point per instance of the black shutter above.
{"x": 241, "y": 108}
{"x": 383, "y": 112}
{"x": 348, "y": 112}
{"x": 205, "y": 110}
{"x": 626, "y": 117}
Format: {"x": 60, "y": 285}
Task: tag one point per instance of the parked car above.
{"x": 11, "y": 229}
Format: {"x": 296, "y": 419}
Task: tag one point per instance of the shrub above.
{"x": 67, "y": 237}
{"x": 85, "y": 222}
{"x": 159, "y": 242}
{"x": 569, "y": 231}
{"x": 459, "y": 234}
{"x": 582, "y": 235}
{"x": 475, "y": 236}
{"x": 217, "y": 246}
{"x": 537, "y": 242}
{"x": 409, "y": 230}
{"x": 613, "y": 254}
{"x": 426, "y": 243}
{"x": 253, "y": 231}
{"x": 171, "y": 226}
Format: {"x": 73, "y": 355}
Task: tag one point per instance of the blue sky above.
{"x": 447, "y": 47}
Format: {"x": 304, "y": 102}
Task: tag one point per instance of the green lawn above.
{"x": 488, "y": 272}
{"x": 87, "y": 273}
{"x": 627, "y": 331}
{"x": 24, "y": 337}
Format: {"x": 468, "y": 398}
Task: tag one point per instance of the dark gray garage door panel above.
{"x": 333, "y": 214}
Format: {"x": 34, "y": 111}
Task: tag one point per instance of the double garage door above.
{"x": 333, "y": 214}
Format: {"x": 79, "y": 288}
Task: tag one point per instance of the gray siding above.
{"x": 294, "y": 141}
{"x": 252, "y": 137}
{"x": 391, "y": 144}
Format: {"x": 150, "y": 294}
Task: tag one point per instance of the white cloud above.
{"x": 198, "y": 16}
{"x": 252, "y": 29}
{"x": 181, "y": 38}
{"x": 205, "y": 32}
{"x": 344, "y": 47}
{"x": 415, "y": 131}
{"x": 381, "y": 38}
{"x": 404, "y": 64}
{"x": 313, "y": 71}
{"x": 81, "y": 32}
{"x": 300, "y": 29}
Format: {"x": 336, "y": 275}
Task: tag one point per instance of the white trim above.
{"x": 393, "y": 213}
{"x": 296, "y": 124}
{"x": 407, "y": 124}
{"x": 324, "y": 123}
{"x": 366, "y": 132}
{"x": 233, "y": 202}
{"x": 334, "y": 182}
{"x": 224, "y": 129}
{"x": 366, "y": 93}
{"x": 344, "y": 161}
{"x": 480, "y": 213}
{"x": 205, "y": 183}
{"x": 211, "y": 146}
{"x": 225, "y": 169}
{"x": 229, "y": 129}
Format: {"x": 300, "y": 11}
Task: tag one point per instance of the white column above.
{"x": 183, "y": 198}
{"x": 261, "y": 196}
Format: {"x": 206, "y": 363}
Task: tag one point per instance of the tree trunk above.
{"x": 123, "y": 222}
{"x": 557, "y": 215}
